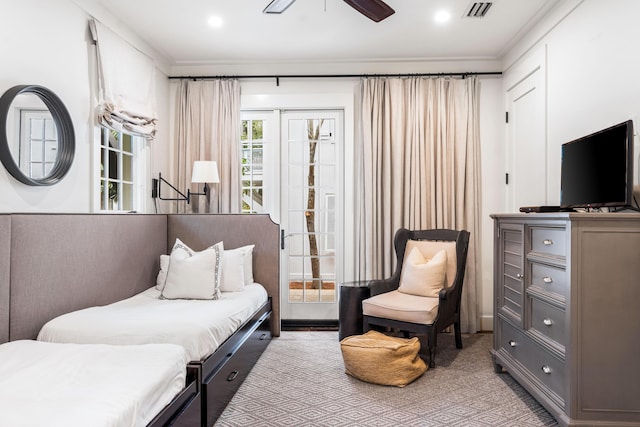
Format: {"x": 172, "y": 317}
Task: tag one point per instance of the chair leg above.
{"x": 365, "y": 325}
{"x": 456, "y": 330}
{"x": 432, "y": 339}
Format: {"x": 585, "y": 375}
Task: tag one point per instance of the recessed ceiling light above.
{"x": 442, "y": 16}
{"x": 215, "y": 21}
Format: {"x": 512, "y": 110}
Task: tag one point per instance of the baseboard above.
{"x": 486, "y": 323}
{"x": 308, "y": 325}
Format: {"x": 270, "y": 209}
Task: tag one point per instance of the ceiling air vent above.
{"x": 478, "y": 9}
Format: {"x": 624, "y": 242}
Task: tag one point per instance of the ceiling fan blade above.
{"x": 376, "y": 10}
{"x": 278, "y": 6}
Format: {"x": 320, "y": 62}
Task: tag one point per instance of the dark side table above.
{"x": 350, "y": 307}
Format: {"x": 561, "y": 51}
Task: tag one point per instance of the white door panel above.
{"x": 527, "y": 142}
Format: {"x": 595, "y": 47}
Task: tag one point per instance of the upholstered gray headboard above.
{"x": 51, "y": 264}
{"x": 5, "y": 244}
{"x": 65, "y": 262}
{"x": 235, "y": 230}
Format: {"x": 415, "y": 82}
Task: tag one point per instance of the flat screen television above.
{"x": 597, "y": 170}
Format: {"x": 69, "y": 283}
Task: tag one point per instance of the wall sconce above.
{"x": 203, "y": 172}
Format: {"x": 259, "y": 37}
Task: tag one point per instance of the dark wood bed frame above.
{"x": 51, "y": 264}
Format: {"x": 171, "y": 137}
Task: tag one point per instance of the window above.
{"x": 118, "y": 171}
{"x": 252, "y": 142}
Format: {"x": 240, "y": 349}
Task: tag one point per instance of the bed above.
{"x": 55, "y": 385}
{"x": 199, "y": 326}
{"x": 61, "y": 263}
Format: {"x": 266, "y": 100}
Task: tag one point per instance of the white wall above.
{"x": 46, "y": 43}
{"x": 592, "y": 73}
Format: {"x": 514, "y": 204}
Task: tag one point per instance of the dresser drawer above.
{"x": 548, "y": 369}
{"x": 549, "y": 279}
{"x": 549, "y": 321}
{"x": 549, "y": 240}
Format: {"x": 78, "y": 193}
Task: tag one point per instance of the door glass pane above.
{"x": 310, "y": 169}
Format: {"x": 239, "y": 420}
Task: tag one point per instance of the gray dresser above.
{"x": 567, "y": 312}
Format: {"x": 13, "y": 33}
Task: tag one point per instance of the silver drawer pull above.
{"x": 519, "y": 275}
{"x": 547, "y": 322}
{"x": 546, "y": 369}
{"x": 547, "y": 279}
{"x": 512, "y": 343}
{"x": 547, "y": 242}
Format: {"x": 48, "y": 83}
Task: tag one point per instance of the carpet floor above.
{"x": 300, "y": 381}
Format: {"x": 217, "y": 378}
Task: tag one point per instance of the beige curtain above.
{"x": 208, "y": 128}
{"x": 418, "y": 148}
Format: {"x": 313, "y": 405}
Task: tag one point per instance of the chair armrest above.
{"x": 444, "y": 293}
{"x": 377, "y": 287}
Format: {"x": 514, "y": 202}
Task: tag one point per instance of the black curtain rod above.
{"x": 333, "y": 76}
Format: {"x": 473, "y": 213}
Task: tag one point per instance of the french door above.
{"x": 292, "y": 168}
{"x": 311, "y": 213}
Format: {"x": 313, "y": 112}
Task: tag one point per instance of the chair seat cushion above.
{"x": 380, "y": 359}
{"x": 400, "y": 306}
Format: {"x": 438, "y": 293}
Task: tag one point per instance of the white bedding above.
{"x": 68, "y": 385}
{"x": 199, "y": 326}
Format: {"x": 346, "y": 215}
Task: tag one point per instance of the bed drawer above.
{"x": 218, "y": 389}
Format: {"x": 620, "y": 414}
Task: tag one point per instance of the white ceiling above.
{"x": 322, "y": 30}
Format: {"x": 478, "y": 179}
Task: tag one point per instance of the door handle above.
{"x": 282, "y": 237}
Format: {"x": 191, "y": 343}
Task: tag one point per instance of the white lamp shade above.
{"x": 205, "y": 171}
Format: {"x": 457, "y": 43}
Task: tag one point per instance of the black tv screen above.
{"x": 597, "y": 170}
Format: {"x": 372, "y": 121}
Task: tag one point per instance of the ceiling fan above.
{"x": 376, "y": 10}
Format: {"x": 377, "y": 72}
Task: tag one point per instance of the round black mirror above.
{"x": 37, "y": 141}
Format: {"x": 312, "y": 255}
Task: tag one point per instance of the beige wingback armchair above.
{"x": 423, "y": 295}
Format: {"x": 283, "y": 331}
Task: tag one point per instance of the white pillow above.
{"x": 248, "y": 264}
{"x": 421, "y": 276}
{"x": 194, "y": 275}
{"x": 164, "y": 264}
{"x": 237, "y": 270}
{"x": 162, "y": 274}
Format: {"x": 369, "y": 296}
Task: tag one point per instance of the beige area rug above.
{"x": 300, "y": 381}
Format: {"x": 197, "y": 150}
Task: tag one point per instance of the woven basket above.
{"x": 380, "y": 359}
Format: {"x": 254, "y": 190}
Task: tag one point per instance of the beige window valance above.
{"x": 126, "y": 84}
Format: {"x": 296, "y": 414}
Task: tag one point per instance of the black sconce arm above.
{"x": 157, "y": 192}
